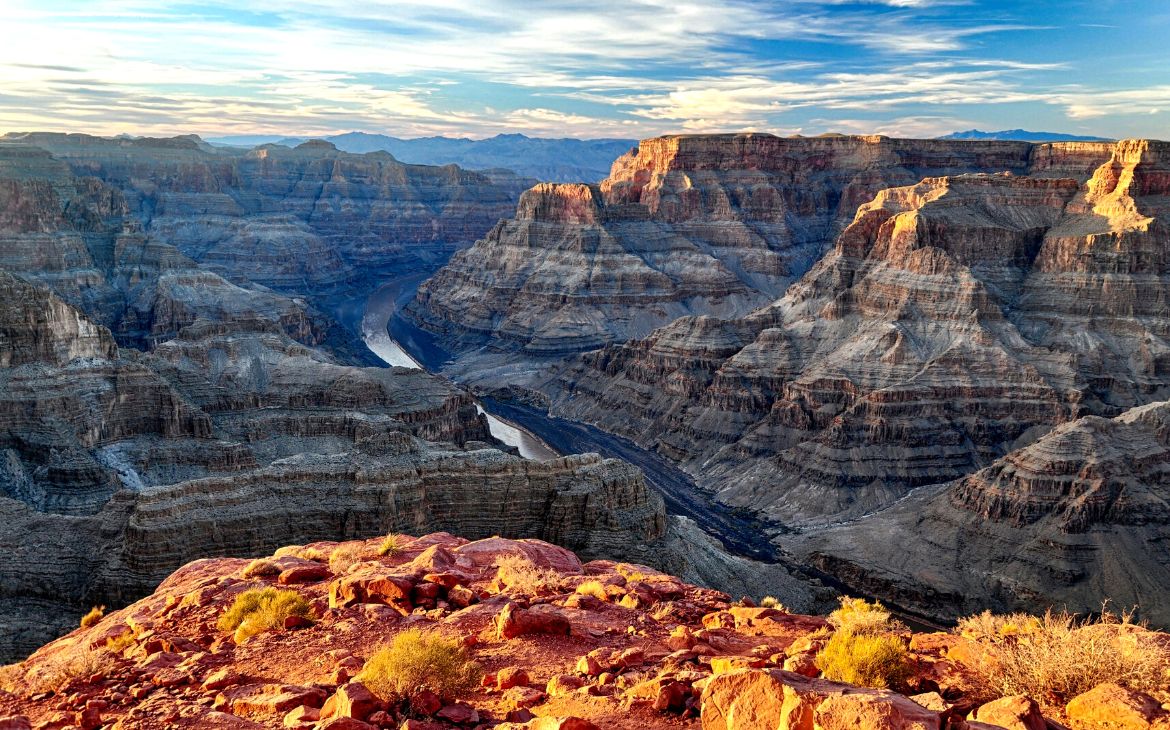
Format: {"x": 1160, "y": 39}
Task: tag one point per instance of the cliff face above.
{"x": 953, "y": 319}
{"x": 1081, "y": 514}
{"x": 152, "y": 411}
{"x": 705, "y": 225}
{"x": 118, "y": 466}
{"x": 311, "y": 220}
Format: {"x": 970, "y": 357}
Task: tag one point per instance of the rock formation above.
{"x": 557, "y": 644}
{"x": 704, "y": 225}
{"x": 1081, "y": 514}
{"x": 311, "y": 220}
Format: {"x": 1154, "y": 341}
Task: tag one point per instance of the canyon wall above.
{"x": 702, "y": 225}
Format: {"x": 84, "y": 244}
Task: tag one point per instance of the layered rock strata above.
{"x": 1081, "y": 514}
{"x": 953, "y": 320}
{"x": 312, "y": 219}
{"x": 702, "y": 225}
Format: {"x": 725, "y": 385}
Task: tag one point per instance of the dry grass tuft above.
{"x": 393, "y": 546}
{"x": 858, "y": 616}
{"x": 1054, "y": 657}
{"x": 346, "y": 556}
{"x": 118, "y": 644}
{"x": 416, "y": 660}
{"x": 593, "y": 588}
{"x": 520, "y": 574}
{"x": 95, "y": 615}
{"x": 65, "y": 668}
{"x": 261, "y": 568}
{"x": 261, "y": 609}
{"x": 773, "y": 602}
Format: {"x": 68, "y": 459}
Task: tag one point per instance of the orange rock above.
{"x": 1017, "y": 712}
{"x": 351, "y": 700}
{"x": 563, "y": 684}
{"x": 509, "y": 677}
{"x": 725, "y": 664}
{"x": 15, "y": 722}
{"x": 302, "y": 716}
{"x": 515, "y": 621}
{"x": 1110, "y": 707}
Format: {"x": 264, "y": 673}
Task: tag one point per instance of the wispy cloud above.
{"x": 597, "y": 67}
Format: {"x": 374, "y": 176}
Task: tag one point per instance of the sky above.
{"x": 631, "y": 69}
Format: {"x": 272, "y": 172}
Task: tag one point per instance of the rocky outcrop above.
{"x": 548, "y": 641}
{"x": 702, "y": 225}
{"x": 1080, "y": 515}
{"x": 941, "y": 332}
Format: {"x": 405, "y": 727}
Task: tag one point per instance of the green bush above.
{"x": 261, "y": 609}
{"x": 866, "y": 660}
{"x": 416, "y": 660}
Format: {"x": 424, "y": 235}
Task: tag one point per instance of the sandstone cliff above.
{"x": 712, "y": 225}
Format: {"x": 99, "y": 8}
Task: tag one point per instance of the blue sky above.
{"x": 594, "y": 68}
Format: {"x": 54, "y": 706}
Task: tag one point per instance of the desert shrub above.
{"x": 260, "y": 609}
{"x": 1057, "y": 656}
{"x": 393, "y": 545}
{"x": 118, "y": 644}
{"x": 868, "y": 660}
{"x": 521, "y": 574}
{"x": 11, "y": 678}
{"x": 416, "y": 660}
{"x": 64, "y": 668}
{"x": 773, "y": 602}
{"x": 96, "y": 614}
{"x": 346, "y": 556}
{"x": 858, "y": 616}
{"x": 312, "y": 553}
{"x": 261, "y": 568}
{"x": 593, "y": 588}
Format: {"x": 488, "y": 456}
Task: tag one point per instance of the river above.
{"x": 538, "y": 435}
{"x": 379, "y": 308}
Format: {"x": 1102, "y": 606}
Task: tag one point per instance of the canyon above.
{"x": 925, "y": 316}
{"x": 929, "y": 371}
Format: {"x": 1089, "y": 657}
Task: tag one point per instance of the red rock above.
{"x": 804, "y": 663}
{"x": 751, "y": 699}
{"x": 302, "y": 716}
{"x": 563, "y": 684}
{"x": 89, "y": 718}
{"x": 520, "y": 697}
{"x": 292, "y": 623}
{"x": 15, "y": 722}
{"x": 369, "y": 586}
{"x": 353, "y": 700}
{"x": 542, "y": 554}
{"x": 514, "y": 621}
{"x": 459, "y": 714}
{"x": 344, "y": 723}
{"x": 311, "y": 573}
{"x": 590, "y": 666}
{"x": 725, "y": 664}
{"x": 425, "y": 702}
{"x": 272, "y": 698}
{"x": 221, "y": 678}
{"x": 521, "y": 715}
{"x": 511, "y": 677}
{"x": 672, "y": 697}
{"x": 1110, "y": 707}
{"x": 381, "y": 718}
{"x": 561, "y": 723}
{"x": 1014, "y": 713}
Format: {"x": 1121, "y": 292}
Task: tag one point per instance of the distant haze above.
{"x": 554, "y": 160}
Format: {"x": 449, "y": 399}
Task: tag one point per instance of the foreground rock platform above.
{"x": 561, "y": 644}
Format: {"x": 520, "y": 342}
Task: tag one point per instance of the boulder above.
{"x": 1017, "y": 712}
{"x": 750, "y": 699}
{"x": 515, "y": 621}
{"x": 1111, "y": 707}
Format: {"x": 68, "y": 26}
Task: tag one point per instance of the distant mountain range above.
{"x": 1023, "y": 135}
{"x": 554, "y": 160}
